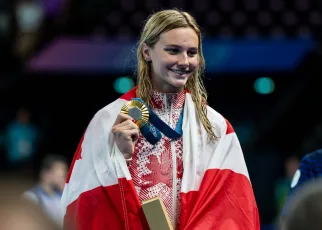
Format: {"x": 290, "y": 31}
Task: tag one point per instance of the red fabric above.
{"x": 103, "y": 208}
{"x": 77, "y": 156}
{"x": 234, "y": 206}
{"x": 225, "y": 201}
{"x": 129, "y": 95}
{"x": 230, "y": 128}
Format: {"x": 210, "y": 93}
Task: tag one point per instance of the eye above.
{"x": 172, "y": 50}
{"x": 192, "y": 53}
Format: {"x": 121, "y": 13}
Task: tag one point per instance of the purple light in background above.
{"x": 66, "y": 54}
{"x": 52, "y": 8}
{"x": 81, "y": 55}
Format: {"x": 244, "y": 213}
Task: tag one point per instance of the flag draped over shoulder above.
{"x": 216, "y": 192}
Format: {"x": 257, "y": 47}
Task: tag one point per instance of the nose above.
{"x": 183, "y": 61}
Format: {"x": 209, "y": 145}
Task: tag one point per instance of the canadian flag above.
{"x": 216, "y": 192}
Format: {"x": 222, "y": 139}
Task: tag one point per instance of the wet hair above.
{"x": 161, "y": 22}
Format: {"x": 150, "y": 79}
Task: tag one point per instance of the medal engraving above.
{"x": 135, "y": 113}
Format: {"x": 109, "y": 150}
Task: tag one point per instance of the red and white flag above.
{"x": 216, "y": 192}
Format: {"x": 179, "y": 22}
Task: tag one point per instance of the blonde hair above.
{"x": 161, "y": 22}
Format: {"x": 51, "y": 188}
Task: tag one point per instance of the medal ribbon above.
{"x": 153, "y": 128}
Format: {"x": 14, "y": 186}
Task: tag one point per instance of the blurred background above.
{"x": 63, "y": 60}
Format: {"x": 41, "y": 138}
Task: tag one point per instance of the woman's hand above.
{"x": 126, "y": 133}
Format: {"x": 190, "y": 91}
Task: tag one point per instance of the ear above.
{"x": 146, "y": 52}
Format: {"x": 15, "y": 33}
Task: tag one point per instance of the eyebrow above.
{"x": 178, "y": 46}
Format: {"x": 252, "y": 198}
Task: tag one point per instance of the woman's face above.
{"x": 174, "y": 58}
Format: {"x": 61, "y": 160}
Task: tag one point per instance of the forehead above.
{"x": 184, "y": 36}
{"x": 59, "y": 166}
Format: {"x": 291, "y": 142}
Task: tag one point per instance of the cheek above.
{"x": 162, "y": 66}
{"x": 194, "y": 63}
{"x": 168, "y": 60}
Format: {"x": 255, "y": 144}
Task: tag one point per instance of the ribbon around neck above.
{"x": 153, "y": 128}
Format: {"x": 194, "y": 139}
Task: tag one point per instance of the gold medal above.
{"x": 138, "y": 111}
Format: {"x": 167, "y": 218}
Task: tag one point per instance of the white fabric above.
{"x": 98, "y": 166}
{"x": 200, "y": 154}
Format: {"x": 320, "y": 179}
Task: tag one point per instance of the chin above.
{"x": 179, "y": 82}
{"x": 179, "y": 86}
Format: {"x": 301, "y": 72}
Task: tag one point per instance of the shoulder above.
{"x": 313, "y": 157}
{"x": 312, "y": 161}
{"x": 219, "y": 122}
{"x": 310, "y": 166}
{"x": 110, "y": 109}
{"x": 104, "y": 118}
{"x": 116, "y": 105}
{"x": 31, "y": 196}
{"x": 108, "y": 113}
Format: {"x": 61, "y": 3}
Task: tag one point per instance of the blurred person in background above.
{"x": 193, "y": 161}
{"x": 29, "y": 19}
{"x": 309, "y": 170}
{"x": 47, "y": 193}
{"x": 283, "y": 185}
{"x": 17, "y": 213}
{"x": 20, "y": 141}
{"x": 305, "y": 208}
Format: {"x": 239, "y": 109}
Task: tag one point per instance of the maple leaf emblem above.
{"x": 161, "y": 170}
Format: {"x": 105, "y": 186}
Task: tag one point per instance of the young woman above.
{"x": 186, "y": 153}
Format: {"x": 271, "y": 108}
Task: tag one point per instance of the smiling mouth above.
{"x": 180, "y": 72}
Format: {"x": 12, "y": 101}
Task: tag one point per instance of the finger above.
{"x": 122, "y": 117}
{"x": 128, "y": 133}
{"x": 127, "y": 125}
{"x": 123, "y": 131}
{"x": 135, "y": 137}
{"x": 133, "y": 134}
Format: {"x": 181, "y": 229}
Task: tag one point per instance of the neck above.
{"x": 165, "y": 100}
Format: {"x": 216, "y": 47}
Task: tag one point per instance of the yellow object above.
{"x": 156, "y": 214}
{"x": 137, "y": 110}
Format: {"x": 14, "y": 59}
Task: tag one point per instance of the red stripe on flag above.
{"x": 225, "y": 200}
{"x": 105, "y": 208}
{"x": 77, "y": 156}
{"x": 230, "y": 128}
{"x": 129, "y": 95}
